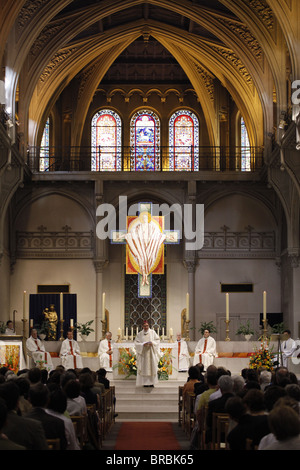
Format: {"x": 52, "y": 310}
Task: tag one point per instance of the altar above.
{"x": 124, "y": 361}
{"x": 11, "y": 352}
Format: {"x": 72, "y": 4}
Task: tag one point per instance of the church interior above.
{"x": 182, "y": 104}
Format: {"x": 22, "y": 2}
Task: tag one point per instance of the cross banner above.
{"x": 145, "y": 238}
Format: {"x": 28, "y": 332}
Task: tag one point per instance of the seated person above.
{"x": 37, "y": 352}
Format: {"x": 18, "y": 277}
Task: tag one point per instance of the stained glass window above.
{"x": 45, "y": 148}
{"x": 184, "y": 141}
{"x": 245, "y": 148}
{"x": 106, "y": 141}
{"x": 145, "y": 141}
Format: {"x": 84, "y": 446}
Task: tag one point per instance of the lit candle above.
{"x": 24, "y": 304}
{"x": 61, "y": 306}
{"x": 163, "y": 333}
{"x": 158, "y": 331}
{"x": 71, "y": 323}
{"x": 187, "y": 315}
{"x": 119, "y": 332}
{"x": 227, "y": 307}
{"x": 264, "y": 305}
{"x": 103, "y": 306}
{"x": 171, "y": 331}
{"x": 31, "y": 323}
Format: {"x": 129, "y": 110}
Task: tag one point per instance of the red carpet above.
{"x": 146, "y": 436}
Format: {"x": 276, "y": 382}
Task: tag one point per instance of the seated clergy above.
{"x": 205, "y": 350}
{"x": 36, "y": 350}
{"x": 105, "y": 352}
{"x": 70, "y": 353}
{"x": 183, "y": 354}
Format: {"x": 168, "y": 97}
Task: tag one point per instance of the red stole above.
{"x": 110, "y": 355}
{"x": 204, "y": 349}
{"x": 71, "y": 347}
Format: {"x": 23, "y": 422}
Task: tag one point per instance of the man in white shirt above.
{"x": 183, "y": 354}
{"x": 105, "y": 352}
{"x": 147, "y": 356}
{"x": 70, "y": 353}
{"x": 205, "y": 350}
{"x": 288, "y": 347}
{"x": 36, "y": 350}
{"x": 10, "y": 328}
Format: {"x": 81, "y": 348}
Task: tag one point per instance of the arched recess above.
{"x": 170, "y": 39}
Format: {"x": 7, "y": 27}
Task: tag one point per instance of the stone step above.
{"x": 159, "y": 403}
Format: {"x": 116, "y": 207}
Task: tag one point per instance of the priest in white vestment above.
{"x": 105, "y": 352}
{"x": 70, "y": 353}
{"x": 36, "y": 350}
{"x": 183, "y": 354}
{"x": 147, "y": 356}
{"x": 288, "y": 347}
{"x": 205, "y": 350}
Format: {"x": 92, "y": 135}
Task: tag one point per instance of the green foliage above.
{"x": 245, "y": 329}
{"x": 207, "y": 326}
{"x": 84, "y": 328}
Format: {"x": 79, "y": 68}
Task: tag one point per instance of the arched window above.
{"x": 184, "y": 141}
{"x": 145, "y": 141}
{"x": 45, "y": 148}
{"x": 106, "y": 141}
{"x": 245, "y": 148}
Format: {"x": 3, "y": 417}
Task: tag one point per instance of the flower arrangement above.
{"x": 262, "y": 357}
{"x": 127, "y": 362}
{"x": 165, "y": 364}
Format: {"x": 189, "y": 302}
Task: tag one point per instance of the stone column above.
{"x": 190, "y": 265}
{"x": 100, "y": 266}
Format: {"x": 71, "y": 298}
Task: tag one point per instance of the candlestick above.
{"x": 126, "y": 333}
{"x": 187, "y": 331}
{"x": 103, "y": 306}
{"x": 187, "y": 312}
{"x": 61, "y": 307}
{"x": 264, "y": 305}
{"x": 132, "y": 333}
{"x": 61, "y": 330}
{"x": 227, "y": 330}
{"x": 24, "y": 304}
{"x": 227, "y": 306}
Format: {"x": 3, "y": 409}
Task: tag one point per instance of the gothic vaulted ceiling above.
{"x": 247, "y": 45}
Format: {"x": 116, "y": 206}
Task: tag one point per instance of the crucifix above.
{"x": 145, "y": 238}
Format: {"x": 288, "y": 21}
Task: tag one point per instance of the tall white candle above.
{"x": 61, "y": 307}
{"x": 119, "y": 332}
{"x": 264, "y": 305}
{"x": 103, "y": 306}
{"x": 24, "y": 304}
{"x": 187, "y": 314}
{"x": 132, "y": 333}
{"x": 158, "y": 331}
{"x": 126, "y": 333}
{"x": 227, "y": 306}
{"x": 171, "y": 332}
{"x": 163, "y": 333}
{"x": 71, "y": 323}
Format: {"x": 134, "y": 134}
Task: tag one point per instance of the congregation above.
{"x": 64, "y": 408}
{"x": 260, "y": 408}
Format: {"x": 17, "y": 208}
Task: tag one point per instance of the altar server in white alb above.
{"x": 288, "y": 347}
{"x": 36, "y": 350}
{"x": 147, "y": 356}
{"x": 105, "y": 352}
{"x": 205, "y": 350}
{"x": 183, "y": 354}
{"x": 70, "y": 353}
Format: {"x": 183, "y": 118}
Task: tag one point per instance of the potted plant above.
{"x": 246, "y": 330}
{"x": 278, "y": 328}
{"x": 207, "y": 326}
{"x": 43, "y": 330}
{"x": 2, "y": 327}
{"x": 84, "y": 329}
